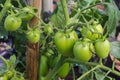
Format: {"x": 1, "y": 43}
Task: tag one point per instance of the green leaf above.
{"x": 58, "y": 18}
{"x": 113, "y": 16}
{"x": 12, "y": 61}
{"x": 99, "y": 75}
{"x": 115, "y": 49}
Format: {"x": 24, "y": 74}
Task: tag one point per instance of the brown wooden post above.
{"x": 32, "y": 53}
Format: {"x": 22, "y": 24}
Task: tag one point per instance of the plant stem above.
{"x": 81, "y": 77}
{"x": 20, "y": 5}
{"x": 73, "y": 72}
{"x": 94, "y": 64}
{"x": 7, "y": 5}
{"x": 65, "y": 10}
{"x": 100, "y": 61}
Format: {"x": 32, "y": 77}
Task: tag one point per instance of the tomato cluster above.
{"x": 91, "y": 42}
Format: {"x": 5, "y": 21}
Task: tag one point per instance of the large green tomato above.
{"x": 43, "y": 66}
{"x": 12, "y": 23}
{"x": 33, "y": 36}
{"x": 27, "y": 13}
{"x": 65, "y": 42}
{"x": 82, "y": 51}
{"x": 93, "y": 33}
{"x": 102, "y": 48}
{"x": 64, "y": 70}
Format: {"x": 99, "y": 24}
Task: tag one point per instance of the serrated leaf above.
{"x": 58, "y": 17}
{"x": 115, "y": 49}
{"x": 112, "y": 16}
{"x": 12, "y": 61}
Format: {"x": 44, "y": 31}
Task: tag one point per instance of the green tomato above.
{"x": 65, "y": 42}
{"x": 10, "y": 74}
{"x": 33, "y": 36}
{"x": 27, "y": 13}
{"x": 49, "y": 53}
{"x": 102, "y": 48}
{"x": 82, "y": 51}
{"x": 12, "y": 23}
{"x": 43, "y": 66}
{"x": 48, "y": 29}
{"x": 64, "y": 70}
{"x": 42, "y": 78}
{"x": 93, "y": 33}
{"x": 4, "y": 77}
{"x": 54, "y": 59}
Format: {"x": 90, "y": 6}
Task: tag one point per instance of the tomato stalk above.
{"x": 65, "y": 10}
{"x": 7, "y": 6}
{"x": 94, "y": 64}
{"x": 20, "y": 5}
{"x": 85, "y": 74}
{"x": 100, "y": 61}
{"x": 73, "y": 72}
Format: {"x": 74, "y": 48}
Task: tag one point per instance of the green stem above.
{"x": 85, "y": 74}
{"x": 65, "y": 10}
{"x": 20, "y": 5}
{"x": 7, "y": 6}
{"x": 73, "y": 72}
{"x": 5, "y": 61}
{"x": 80, "y": 11}
{"x": 113, "y": 65}
{"x": 100, "y": 61}
{"x": 94, "y": 64}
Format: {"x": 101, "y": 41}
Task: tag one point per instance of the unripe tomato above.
{"x": 33, "y": 36}
{"x": 27, "y": 13}
{"x": 54, "y": 60}
{"x": 93, "y": 33}
{"x": 43, "y": 66}
{"x": 102, "y": 48}
{"x": 49, "y": 53}
{"x": 10, "y": 74}
{"x": 65, "y": 42}
{"x": 82, "y": 51}
{"x": 48, "y": 29}
{"x": 64, "y": 70}
{"x": 4, "y": 77}
{"x": 12, "y": 23}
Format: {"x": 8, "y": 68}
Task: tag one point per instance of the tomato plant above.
{"x": 60, "y": 44}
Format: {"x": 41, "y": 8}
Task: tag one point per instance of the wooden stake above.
{"x": 32, "y": 53}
